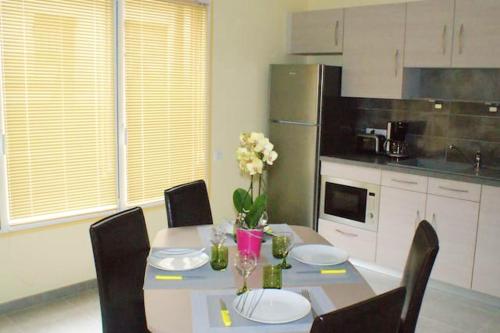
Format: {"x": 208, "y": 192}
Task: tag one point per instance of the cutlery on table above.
{"x": 252, "y": 309}
{"x": 325, "y": 271}
{"x": 177, "y": 252}
{"x": 305, "y": 293}
{"x": 176, "y": 277}
{"x": 224, "y": 314}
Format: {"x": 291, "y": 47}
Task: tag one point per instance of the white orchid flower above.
{"x": 255, "y": 137}
{"x": 270, "y": 157}
{"x": 262, "y": 144}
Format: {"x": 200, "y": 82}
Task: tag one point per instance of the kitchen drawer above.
{"x": 353, "y": 172}
{"x": 454, "y": 189}
{"x": 405, "y": 181}
{"x": 359, "y": 243}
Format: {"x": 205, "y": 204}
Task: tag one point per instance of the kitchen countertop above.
{"x": 435, "y": 168}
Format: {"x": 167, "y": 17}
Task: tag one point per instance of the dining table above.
{"x": 182, "y": 306}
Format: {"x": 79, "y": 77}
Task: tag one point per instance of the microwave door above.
{"x": 346, "y": 202}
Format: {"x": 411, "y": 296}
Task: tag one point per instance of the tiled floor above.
{"x": 442, "y": 312}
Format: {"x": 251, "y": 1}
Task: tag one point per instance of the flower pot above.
{"x": 249, "y": 240}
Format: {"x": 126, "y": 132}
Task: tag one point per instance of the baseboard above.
{"x": 438, "y": 285}
{"x": 47, "y": 296}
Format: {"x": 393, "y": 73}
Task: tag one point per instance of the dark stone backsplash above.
{"x": 469, "y": 126}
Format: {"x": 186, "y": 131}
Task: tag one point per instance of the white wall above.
{"x": 248, "y": 35}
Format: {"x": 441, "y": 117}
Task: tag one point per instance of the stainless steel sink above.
{"x": 448, "y": 167}
{"x": 432, "y": 164}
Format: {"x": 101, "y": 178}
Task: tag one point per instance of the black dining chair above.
{"x": 188, "y": 205}
{"x": 120, "y": 244}
{"x": 423, "y": 252}
{"x": 380, "y": 314}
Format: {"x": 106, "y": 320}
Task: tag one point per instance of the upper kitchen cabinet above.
{"x": 477, "y": 34}
{"x": 429, "y": 33}
{"x": 373, "y": 51}
{"x": 317, "y": 32}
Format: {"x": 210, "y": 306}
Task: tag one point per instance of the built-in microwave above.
{"x": 349, "y": 202}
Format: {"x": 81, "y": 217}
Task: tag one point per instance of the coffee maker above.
{"x": 395, "y": 144}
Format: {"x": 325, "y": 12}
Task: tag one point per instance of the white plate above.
{"x": 271, "y": 306}
{"x": 320, "y": 255}
{"x": 178, "y": 262}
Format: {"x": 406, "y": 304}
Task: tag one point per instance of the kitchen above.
{"x": 415, "y": 72}
{"x": 407, "y": 129}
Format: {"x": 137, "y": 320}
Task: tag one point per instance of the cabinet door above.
{"x": 455, "y": 222}
{"x": 400, "y": 212}
{"x": 359, "y": 243}
{"x": 317, "y": 32}
{"x": 487, "y": 263}
{"x": 373, "y": 51}
{"x": 477, "y": 34}
{"x": 429, "y": 32}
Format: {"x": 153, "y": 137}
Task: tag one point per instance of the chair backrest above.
{"x": 380, "y": 314}
{"x": 418, "y": 268}
{"x": 121, "y": 246}
{"x": 188, "y": 204}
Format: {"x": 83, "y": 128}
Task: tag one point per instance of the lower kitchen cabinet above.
{"x": 455, "y": 221}
{"x": 486, "y": 277}
{"x": 359, "y": 243}
{"x": 400, "y": 212}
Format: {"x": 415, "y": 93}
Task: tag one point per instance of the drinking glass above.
{"x": 271, "y": 277}
{"x": 282, "y": 244}
{"x": 245, "y": 264}
{"x": 219, "y": 257}
{"x": 218, "y": 234}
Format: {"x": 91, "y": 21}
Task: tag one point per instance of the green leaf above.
{"x": 242, "y": 200}
{"x": 256, "y": 211}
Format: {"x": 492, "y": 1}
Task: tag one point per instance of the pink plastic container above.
{"x": 249, "y": 241}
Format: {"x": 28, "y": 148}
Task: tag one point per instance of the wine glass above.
{"x": 263, "y": 220}
{"x": 218, "y": 234}
{"x": 282, "y": 244}
{"x": 245, "y": 264}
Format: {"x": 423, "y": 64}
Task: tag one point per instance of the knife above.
{"x": 176, "y": 277}
{"x": 325, "y": 271}
{"x": 224, "y": 314}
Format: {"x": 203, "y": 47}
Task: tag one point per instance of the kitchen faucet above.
{"x": 477, "y": 157}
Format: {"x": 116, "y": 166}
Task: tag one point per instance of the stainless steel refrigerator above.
{"x": 299, "y": 95}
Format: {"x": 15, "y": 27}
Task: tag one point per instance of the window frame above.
{"x": 6, "y": 224}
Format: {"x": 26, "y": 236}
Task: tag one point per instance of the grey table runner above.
{"x": 206, "y": 313}
{"x": 307, "y": 275}
{"x": 200, "y": 278}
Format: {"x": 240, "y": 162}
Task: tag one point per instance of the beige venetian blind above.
{"x": 165, "y": 95}
{"x": 58, "y": 103}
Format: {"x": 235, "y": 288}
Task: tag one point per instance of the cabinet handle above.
{"x": 337, "y": 33}
{"x": 404, "y": 181}
{"x": 461, "y": 39}
{"x": 396, "y": 62}
{"x": 445, "y": 29}
{"x": 434, "y": 221}
{"x": 418, "y": 216}
{"x": 346, "y": 233}
{"x": 453, "y": 189}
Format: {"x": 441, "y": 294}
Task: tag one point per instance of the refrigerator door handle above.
{"x": 288, "y": 122}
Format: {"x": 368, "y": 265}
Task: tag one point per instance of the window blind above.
{"x": 58, "y": 104}
{"x": 165, "y": 96}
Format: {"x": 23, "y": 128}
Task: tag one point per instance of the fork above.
{"x": 305, "y": 293}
